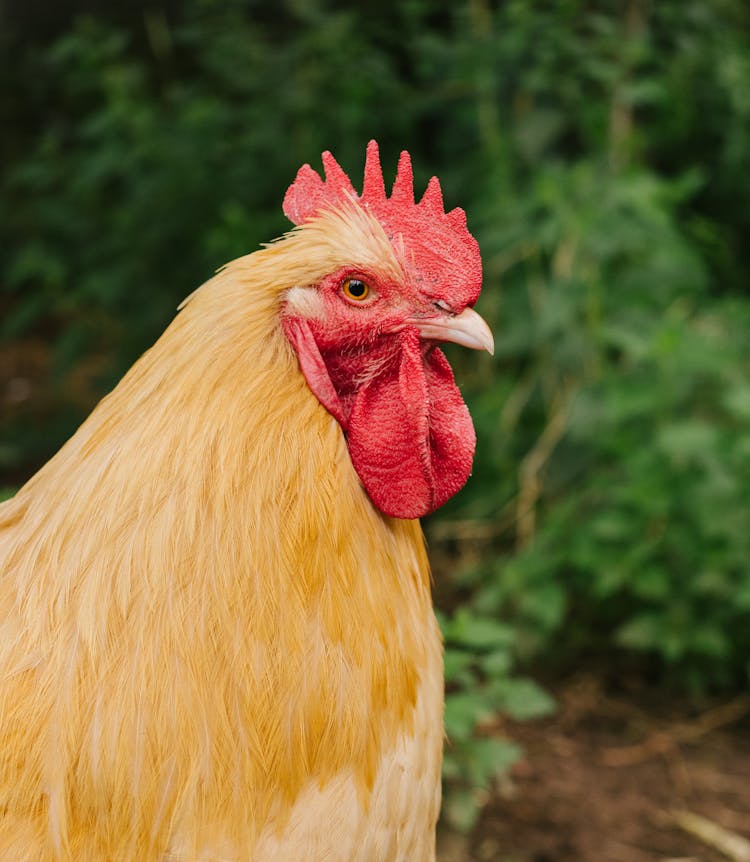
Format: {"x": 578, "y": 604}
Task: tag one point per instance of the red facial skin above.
{"x": 409, "y": 432}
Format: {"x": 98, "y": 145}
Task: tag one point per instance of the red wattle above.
{"x": 313, "y": 367}
{"x": 411, "y": 437}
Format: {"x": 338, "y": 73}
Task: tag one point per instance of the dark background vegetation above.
{"x": 602, "y": 152}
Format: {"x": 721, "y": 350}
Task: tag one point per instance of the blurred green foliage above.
{"x": 602, "y": 151}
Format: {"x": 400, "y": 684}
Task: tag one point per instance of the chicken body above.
{"x": 212, "y": 645}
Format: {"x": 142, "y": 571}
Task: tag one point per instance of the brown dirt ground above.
{"x": 605, "y": 778}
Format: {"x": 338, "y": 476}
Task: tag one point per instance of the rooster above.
{"x": 217, "y": 639}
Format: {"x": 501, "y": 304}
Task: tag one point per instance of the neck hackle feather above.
{"x": 200, "y": 545}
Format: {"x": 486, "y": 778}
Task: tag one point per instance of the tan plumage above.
{"x": 201, "y": 545}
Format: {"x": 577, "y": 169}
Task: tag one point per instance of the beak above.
{"x": 467, "y": 328}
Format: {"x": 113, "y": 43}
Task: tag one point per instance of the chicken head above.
{"x": 366, "y": 334}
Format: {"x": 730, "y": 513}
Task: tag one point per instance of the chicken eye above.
{"x": 355, "y": 289}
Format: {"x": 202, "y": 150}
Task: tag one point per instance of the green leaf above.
{"x": 523, "y": 699}
{"x": 463, "y": 711}
{"x": 477, "y": 632}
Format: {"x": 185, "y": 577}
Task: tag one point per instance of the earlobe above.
{"x": 311, "y": 363}
{"x": 304, "y": 302}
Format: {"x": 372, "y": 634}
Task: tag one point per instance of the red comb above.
{"x": 309, "y": 194}
{"x": 424, "y": 225}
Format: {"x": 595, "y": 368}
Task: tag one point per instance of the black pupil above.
{"x": 357, "y": 288}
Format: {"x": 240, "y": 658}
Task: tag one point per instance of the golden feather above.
{"x": 200, "y": 546}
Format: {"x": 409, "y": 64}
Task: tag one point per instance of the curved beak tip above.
{"x": 468, "y": 329}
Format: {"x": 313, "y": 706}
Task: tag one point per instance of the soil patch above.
{"x": 621, "y": 779}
